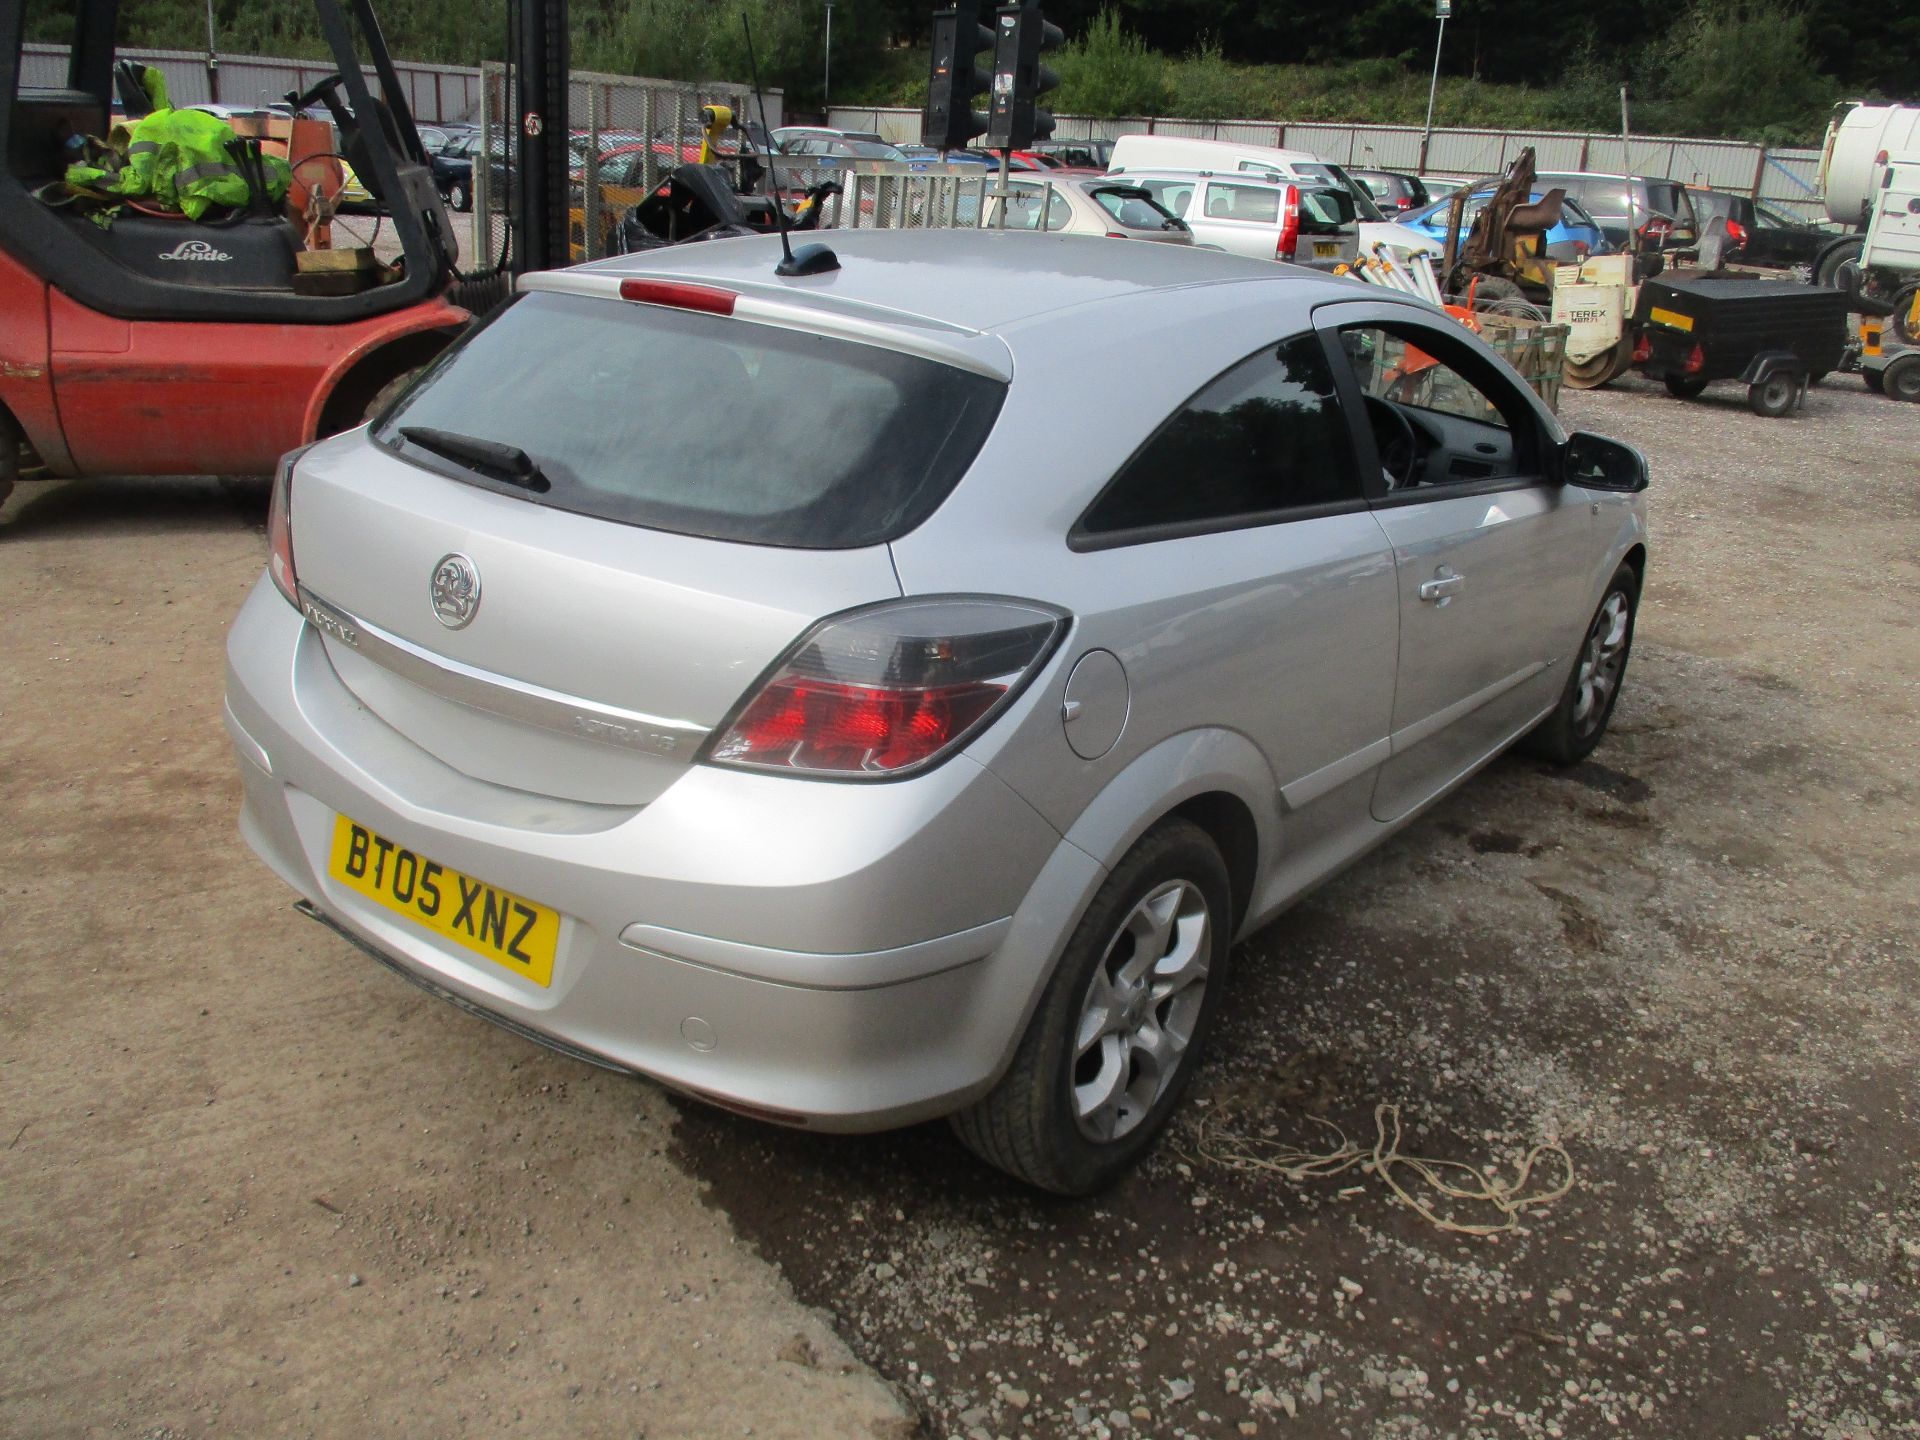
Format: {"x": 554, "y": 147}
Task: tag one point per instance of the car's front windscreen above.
{"x": 697, "y": 424}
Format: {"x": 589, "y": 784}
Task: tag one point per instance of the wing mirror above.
{"x": 1596, "y": 463}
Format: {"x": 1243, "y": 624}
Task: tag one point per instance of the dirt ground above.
{"x": 1691, "y": 960}
{"x": 255, "y": 1185}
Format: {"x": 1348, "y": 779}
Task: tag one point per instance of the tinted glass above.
{"x": 706, "y": 426}
{"x": 1132, "y": 208}
{"x": 1264, "y": 438}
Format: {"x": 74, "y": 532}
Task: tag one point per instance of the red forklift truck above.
{"x": 161, "y": 346}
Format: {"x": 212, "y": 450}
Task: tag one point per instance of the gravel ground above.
{"x": 257, "y": 1186}
{"x": 1690, "y": 960}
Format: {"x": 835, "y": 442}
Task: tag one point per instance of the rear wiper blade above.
{"x": 491, "y": 457}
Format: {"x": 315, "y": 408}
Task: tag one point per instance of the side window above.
{"x": 1174, "y": 196}
{"x": 1256, "y": 204}
{"x": 1265, "y": 438}
{"x": 1393, "y": 368}
{"x": 1059, "y": 212}
{"x": 1434, "y": 423}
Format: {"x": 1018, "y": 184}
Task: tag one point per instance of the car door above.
{"x": 1241, "y": 219}
{"x": 1491, "y": 553}
{"x": 1234, "y": 567}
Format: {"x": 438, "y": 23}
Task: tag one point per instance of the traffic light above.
{"x": 1021, "y": 34}
{"x": 950, "y": 121}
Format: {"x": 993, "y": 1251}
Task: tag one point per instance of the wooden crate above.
{"x": 1536, "y": 348}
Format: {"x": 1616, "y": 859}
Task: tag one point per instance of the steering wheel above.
{"x": 1398, "y": 446}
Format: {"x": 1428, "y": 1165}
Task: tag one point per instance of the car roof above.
{"x": 970, "y": 280}
{"x": 1171, "y": 172}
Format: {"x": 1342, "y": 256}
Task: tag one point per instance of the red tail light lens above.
{"x": 280, "y": 529}
{"x": 1736, "y": 232}
{"x": 890, "y": 690}
{"x": 1696, "y": 360}
{"x": 708, "y": 299}
{"x": 1289, "y": 241}
{"x": 1642, "y": 348}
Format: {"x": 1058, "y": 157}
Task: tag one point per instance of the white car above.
{"x": 1135, "y": 153}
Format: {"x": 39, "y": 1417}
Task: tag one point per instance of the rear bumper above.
{"x": 846, "y": 957}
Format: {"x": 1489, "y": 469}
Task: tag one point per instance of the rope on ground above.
{"x": 1509, "y": 1197}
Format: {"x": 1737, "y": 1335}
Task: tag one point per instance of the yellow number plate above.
{"x": 492, "y": 923}
{"x": 1670, "y": 317}
{"x": 1325, "y": 249}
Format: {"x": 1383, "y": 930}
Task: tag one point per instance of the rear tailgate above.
{"x": 599, "y": 654}
{"x": 687, "y": 492}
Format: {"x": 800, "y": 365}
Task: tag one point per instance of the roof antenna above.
{"x": 811, "y": 259}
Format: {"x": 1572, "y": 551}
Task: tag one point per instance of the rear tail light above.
{"x": 280, "y": 528}
{"x": 1642, "y": 348}
{"x": 1289, "y": 240}
{"x": 1696, "y": 361}
{"x": 1657, "y": 228}
{"x": 889, "y": 690}
{"x": 1736, "y": 232}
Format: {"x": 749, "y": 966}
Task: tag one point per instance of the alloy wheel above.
{"x": 1602, "y": 660}
{"x": 1139, "y": 1012}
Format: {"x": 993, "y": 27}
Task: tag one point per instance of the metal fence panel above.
{"x": 1784, "y": 177}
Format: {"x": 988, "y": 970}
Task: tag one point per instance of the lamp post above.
{"x": 1441, "y": 10}
{"x": 826, "y": 77}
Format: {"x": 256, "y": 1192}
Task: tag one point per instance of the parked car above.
{"x": 1577, "y": 236}
{"x": 1393, "y": 191}
{"x": 1079, "y": 154}
{"x": 839, "y": 147}
{"x": 784, "y": 135}
{"x": 1439, "y": 187}
{"x": 1661, "y": 212}
{"x": 452, "y": 168}
{"x": 792, "y": 692}
{"x": 1065, "y": 204}
{"x": 436, "y": 137}
{"x": 1257, "y": 215}
{"x": 1767, "y": 236}
{"x": 1133, "y": 153}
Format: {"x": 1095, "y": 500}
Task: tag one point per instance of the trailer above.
{"x": 1773, "y": 336}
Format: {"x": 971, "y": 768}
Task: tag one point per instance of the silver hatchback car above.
{"x": 756, "y": 684}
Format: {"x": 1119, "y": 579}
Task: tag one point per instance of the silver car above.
{"x": 757, "y": 684}
{"x": 1082, "y": 205}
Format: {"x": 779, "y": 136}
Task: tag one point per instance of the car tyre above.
{"x": 1578, "y": 722}
{"x": 1902, "y": 313}
{"x": 1774, "y": 396}
{"x": 1119, "y": 1029}
{"x": 460, "y": 196}
{"x": 1828, "y": 273}
{"x": 1683, "y": 387}
{"x": 1901, "y": 379}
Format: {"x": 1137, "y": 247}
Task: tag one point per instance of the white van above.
{"x": 1133, "y": 153}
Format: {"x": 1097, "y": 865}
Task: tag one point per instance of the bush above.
{"x": 1110, "y": 71}
{"x": 1741, "y": 67}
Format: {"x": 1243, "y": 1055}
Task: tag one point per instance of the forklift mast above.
{"x": 540, "y": 182}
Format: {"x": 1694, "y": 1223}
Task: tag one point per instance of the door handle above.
{"x": 1442, "y": 587}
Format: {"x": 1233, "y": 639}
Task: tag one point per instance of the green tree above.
{"x": 1741, "y": 67}
{"x": 1109, "y": 70}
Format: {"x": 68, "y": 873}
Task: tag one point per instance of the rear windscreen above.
{"x": 704, "y": 425}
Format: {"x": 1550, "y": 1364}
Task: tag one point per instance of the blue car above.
{"x": 1577, "y": 236}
